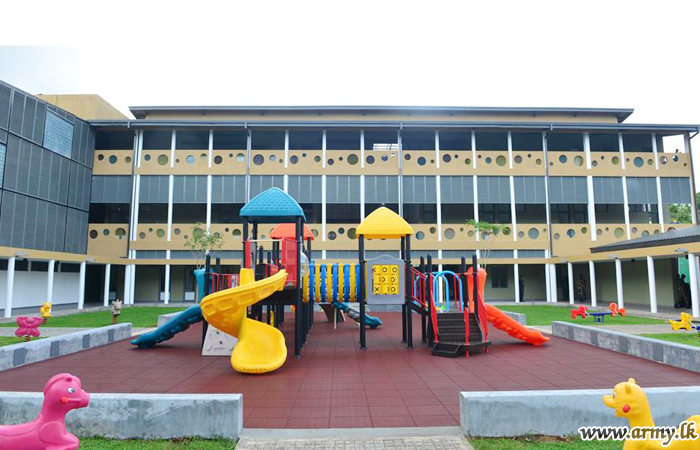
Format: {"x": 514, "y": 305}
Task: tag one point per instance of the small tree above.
{"x": 487, "y": 232}
{"x": 201, "y": 242}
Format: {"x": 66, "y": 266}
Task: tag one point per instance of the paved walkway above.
{"x": 60, "y": 331}
{"x": 336, "y": 385}
{"x": 407, "y": 443}
{"x": 629, "y": 329}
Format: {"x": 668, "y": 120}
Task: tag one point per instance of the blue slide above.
{"x": 177, "y": 324}
{"x": 354, "y": 313}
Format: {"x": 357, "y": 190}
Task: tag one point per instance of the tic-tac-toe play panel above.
{"x": 385, "y": 281}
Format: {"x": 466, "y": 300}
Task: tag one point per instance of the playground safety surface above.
{"x": 335, "y": 384}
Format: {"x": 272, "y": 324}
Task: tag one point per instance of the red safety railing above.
{"x": 418, "y": 287}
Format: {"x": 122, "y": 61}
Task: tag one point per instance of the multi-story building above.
{"x": 560, "y": 180}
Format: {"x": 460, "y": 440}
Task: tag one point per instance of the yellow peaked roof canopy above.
{"x": 384, "y": 223}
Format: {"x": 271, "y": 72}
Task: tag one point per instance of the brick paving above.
{"x": 336, "y": 385}
{"x": 412, "y": 443}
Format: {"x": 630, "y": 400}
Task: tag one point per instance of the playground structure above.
{"x": 62, "y": 393}
{"x": 630, "y": 402}
{"x": 454, "y": 320}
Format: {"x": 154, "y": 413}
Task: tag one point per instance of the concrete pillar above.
{"x": 693, "y": 269}
{"x": 618, "y": 279}
{"x": 10, "y": 286}
{"x": 132, "y": 290}
{"x": 570, "y": 274}
{"x": 594, "y": 293}
{"x": 49, "y": 281}
{"x": 81, "y": 286}
{"x": 547, "y": 284}
{"x": 108, "y": 274}
{"x": 127, "y": 283}
{"x": 167, "y": 284}
{"x": 553, "y": 280}
{"x": 516, "y": 282}
{"x": 652, "y": 284}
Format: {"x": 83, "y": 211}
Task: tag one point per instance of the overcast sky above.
{"x": 641, "y": 55}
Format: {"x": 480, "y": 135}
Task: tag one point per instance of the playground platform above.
{"x": 335, "y": 384}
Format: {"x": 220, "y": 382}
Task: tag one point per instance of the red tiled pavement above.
{"x": 334, "y": 384}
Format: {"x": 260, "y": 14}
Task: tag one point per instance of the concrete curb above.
{"x": 669, "y": 353}
{"x": 146, "y": 416}
{"x": 17, "y": 355}
{"x": 520, "y": 318}
{"x": 562, "y": 413}
{"x": 347, "y": 433}
{"x": 165, "y": 318}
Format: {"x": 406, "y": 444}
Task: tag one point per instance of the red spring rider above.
{"x": 28, "y": 327}
{"x": 62, "y": 394}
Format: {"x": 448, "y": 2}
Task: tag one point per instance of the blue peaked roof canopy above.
{"x": 272, "y": 206}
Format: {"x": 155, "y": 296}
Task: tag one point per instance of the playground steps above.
{"x": 451, "y": 335}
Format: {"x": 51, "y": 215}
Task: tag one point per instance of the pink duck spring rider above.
{"x": 62, "y": 394}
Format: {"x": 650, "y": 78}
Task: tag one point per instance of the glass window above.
{"x": 495, "y": 213}
{"x": 305, "y": 140}
{"x": 369, "y": 207}
{"x": 455, "y": 140}
{"x": 531, "y": 212}
{"x": 58, "y": 135}
{"x": 342, "y": 140}
{"x": 231, "y": 140}
{"x": 312, "y": 212}
{"x": 109, "y": 213}
{"x": 637, "y": 142}
{"x": 563, "y": 142}
{"x": 420, "y": 213}
{"x": 153, "y": 213}
{"x": 457, "y": 213}
{"x": 381, "y": 140}
{"x": 488, "y": 140}
{"x": 114, "y": 140}
{"x": 267, "y": 140}
{"x": 418, "y": 140}
{"x": 157, "y": 139}
{"x": 604, "y": 142}
{"x": 342, "y": 213}
{"x": 499, "y": 276}
{"x": 192, "y": 140}
{"x": 226, "y": 212}
{"x": 609, "y": 213}
{"x": 526, "y": 141}
{"x": 188, "y": 213}
{"x": 569, "y": 213}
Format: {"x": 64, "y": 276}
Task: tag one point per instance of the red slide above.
{"x": 502, "y": 321}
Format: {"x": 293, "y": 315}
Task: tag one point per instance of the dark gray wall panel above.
{"x": 567, "y": 190}
{"x": 309, "y": 188}
{"x": 419, "y": 189}
{"x": 675, "y": 190}
{"x": 228, "y": 189}
{"x": 79, "y": 187}
{"x": 26, "y": 222}
{"x": 260, "y": 183}
{"x": 5, "y": 95}
{"x": 529, "y": 190}
{"x": 76, "y": 231}
{"x": 493, "y": 189}
{"x": 3, "y": 149}
{"x": 153, "y": 189}
{"x": 27, "y": 117}
{"x": 111, "y": 189}
{"x": 608, "y": 190}
{"x": 641, "y": 190}
{"x": 457, "y": 189}
{"x": 339, "y": 189}
{"x": 382, "y": 189}
{"x": 190, "y": 189}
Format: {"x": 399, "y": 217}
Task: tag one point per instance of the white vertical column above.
{"x": 621, "y": 144}
{"x": 587, "y": 149}
{"x": 693, "y": 269}
{"x": 510, "y": 150}
{"x": 323, "y": 208}
{"x": 81, "y": 286}
{"x": 362, "y": 177}
{"x": 570, "y": 275}
{"x": 286, "y": 157}
{"x": 660, "y": 206}
{"x": 475, "y": 186}
{"x": 210, "y": 152}
{"x": 105, "y": 292}
{"x": 127, "y": 283}
{"x": 166, "y": 287}
{"x": 513, "y": 216}
{"x": 547, "y": 282}
{"x": 591, "y": 209}
{"x": 438, "y": 190}
{"x": 553, "y": 280}
{"x": 169, "y": 228}
{"x": 132, "y": 290}
{"x": 618, "y": 280}
{"x": 594, "y": 290}
{"x": 209, "y": 183}
{"x": 627, "y": 207}
{"x": 516, "y": 277}
{"x": 652, "y": 284}
{"x": 10, "y": 286}
{"x": 400, "y": 177}
{"x": 474, "y": 150}
{"x": 173, "y": 144}
{"x": 693, "y": 202}
{"x": 655, "y": 149}
{"x": 49, "y": 281}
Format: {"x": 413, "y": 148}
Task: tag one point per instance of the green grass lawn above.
{"x": 140, "y": 317}
{"x": 545, "y": 315}
{"x": 181, "y": 444}
{"x": 541, "y": 443}
{"x": 10, "y": 340}
{"x": 678, "y": 337}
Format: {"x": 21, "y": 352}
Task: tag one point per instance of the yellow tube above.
{"x": 317, "y": 288}
{"x": 305, "y": 287}
{"x": 329, "y": 283}
{"x": 352, "y": 282}
{"x": 341, "y": 285}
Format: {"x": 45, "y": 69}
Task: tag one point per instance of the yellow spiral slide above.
{"x": 261, "y": 347}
